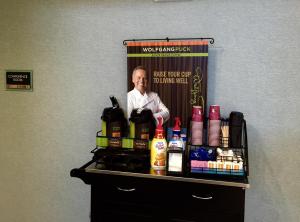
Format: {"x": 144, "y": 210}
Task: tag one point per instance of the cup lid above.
{"x": 197, "y": 113}
{"x": 214, "y": 112}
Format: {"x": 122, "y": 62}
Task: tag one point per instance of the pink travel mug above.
{"x": 214, "y": 126}
{"x": 197, "y": 125}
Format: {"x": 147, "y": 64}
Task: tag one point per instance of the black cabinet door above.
{"x": 203, "y": 202}
{"x": 129, "y": 199}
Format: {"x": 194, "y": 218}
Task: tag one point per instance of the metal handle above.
{"x": 202, "y": 198}
{"x": 211, "y": 40}
{"x": 126, "y": 190}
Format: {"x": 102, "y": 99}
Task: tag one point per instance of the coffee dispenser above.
{"x": 142, "y": 124}
{"x": 114, "y": 123}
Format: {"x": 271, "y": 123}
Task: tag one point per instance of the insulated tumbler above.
{"x": 235, "y": 129}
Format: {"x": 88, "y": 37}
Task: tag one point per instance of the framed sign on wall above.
{"x": 175, "y": 70}
{"x": 20, "y": 80}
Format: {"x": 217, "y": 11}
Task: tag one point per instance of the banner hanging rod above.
{"x": 211, "y": 40}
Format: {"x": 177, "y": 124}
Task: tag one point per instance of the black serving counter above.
{"x": 147, "y": 195}
{"x": 89, "y": 172}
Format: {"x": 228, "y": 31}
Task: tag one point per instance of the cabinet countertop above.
{"x": 242, "y": 183}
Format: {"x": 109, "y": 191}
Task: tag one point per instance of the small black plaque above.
{"x": 140, "y": 144}
{"x": 115, "y": 142}
{"x": 18, "y": 80}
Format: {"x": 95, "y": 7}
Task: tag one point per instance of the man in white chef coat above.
{"x": 140, "y": 98}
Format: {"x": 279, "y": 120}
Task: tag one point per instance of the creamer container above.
{"x": 176, "y": 141}
{"x": 176, "y": 128}
{"x": 158, "y": 154}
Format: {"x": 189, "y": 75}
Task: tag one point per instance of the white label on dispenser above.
{"x": 175, "y": 162}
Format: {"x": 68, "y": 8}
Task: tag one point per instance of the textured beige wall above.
{"x": 75, "y": 51}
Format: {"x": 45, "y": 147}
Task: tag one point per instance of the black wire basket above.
{"x": 219, "y": 161}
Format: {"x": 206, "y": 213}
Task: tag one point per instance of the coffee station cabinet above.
{"x": 209, "y": 188}
{"x": 120, "y": 195}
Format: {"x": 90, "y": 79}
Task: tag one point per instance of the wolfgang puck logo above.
{"x": 166, "y": 49}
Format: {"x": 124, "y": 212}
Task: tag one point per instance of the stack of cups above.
{"x": 214, "y": 126}
{"x": 197, "y": 125}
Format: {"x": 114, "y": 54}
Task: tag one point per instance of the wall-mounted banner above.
{"x": 176, "y": 71}
{"x": 18, "y": 80}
